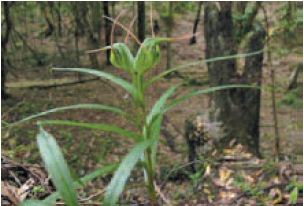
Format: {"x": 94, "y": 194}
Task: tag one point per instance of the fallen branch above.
{"x": 46, "y": 84}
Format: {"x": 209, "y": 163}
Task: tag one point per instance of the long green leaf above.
{"x": 159, "y": 105}
{"x": 175, "y": 102}
{"x": 155, "y": 128}
{"x": 97, "y": 126}
{"x": 72, "y": 107}
{"x": 161, "y": 75}
{"x": 100, "y": 172}
{"x": 115, "y": 188}
{"x": 34, "y": 203}
{"x": 57, "y": 167}
{"x": 117, "y": 80}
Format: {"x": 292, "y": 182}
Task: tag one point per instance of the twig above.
{"x": 275, "y": 119}
{"x": 113, "y": 27}
{"x": 123, "y": 27}
{"x": 162, "y": 196}
{"x": 92, "y": 196}
{"x": 130, "y": 27}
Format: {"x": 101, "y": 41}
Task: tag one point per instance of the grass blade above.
{"x": 206, "y": 91}
{"x": 235, "y": 56}
{"x": 57, "y": 167}
{"x": 97, "y": 126}
{"x": 72, "y": 107}
{"x": 121, "y": 175}
{"x": 121, "y": 82}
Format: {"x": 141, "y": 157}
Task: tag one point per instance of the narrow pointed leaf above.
{"x": 97, "y": 126}
{"x": 235, "y": 56}
{"x": 34, "y": 203}
{"x": 72, "y": 107}
{"x": 155, "y": 128}
{"x": 122, "y": 174}
{"x": 100, "y": 172}
{"x": 160, "y": 103}
{"x": 57, "y": 167}
{"x": 117, "y": 80}
{"x": 175, "y": 102}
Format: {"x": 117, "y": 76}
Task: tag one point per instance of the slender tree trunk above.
{"x": 4, "y": 42}
{"x": 294, "y": 76}
{"x": 169, "y": 34}
{"x": 237, "y": 109}
{"x": 50, "y": 26}
{"x": 141, "y": 20}
{"x": 107, "y": 29}
{"x": 96, "y": 20}
{"x": 76, "y": 33}
{"x": 58, "y": 11}
{"x": 197, "y": 19}
{"x": 275, "y": 118}
{"x": 113, "y": 8}
{"x": 92, "y": 40}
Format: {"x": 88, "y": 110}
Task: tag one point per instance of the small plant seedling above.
{"x": 146, "y": 120}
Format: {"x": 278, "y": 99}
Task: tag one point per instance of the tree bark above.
{"x": 141, "y": 20}
{"x": 238, "y": 109}
{"x": 107, "y": 29}
{"x": 4, "y": 42}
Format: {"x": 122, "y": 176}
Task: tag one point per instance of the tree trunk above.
{"x": 96, "y": 20}
{"x": 92, "y": 40}
{"x": 294, "y": 76}
{"x": 141, "y": 20}
{"x": 169, "y": 34}
{"x": 107, "y": 29}
{"x": 76, "y": 31}
{"x": 4, "y": 41}
{"x": 113, "y": 8}
{"x": 50, "y": 26}
{"x": 59, "y": 18}
{"x": 198, "y": 14}
{"x": 237, "y": 109}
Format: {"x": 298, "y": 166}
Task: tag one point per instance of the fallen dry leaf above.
{"x": 9, "y": 191}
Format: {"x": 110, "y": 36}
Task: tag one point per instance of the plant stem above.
{"x": 138, "y": 82}
{"x": 150, "y": 174}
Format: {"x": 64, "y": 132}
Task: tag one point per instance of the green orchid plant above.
{"x": 147, "y": 121}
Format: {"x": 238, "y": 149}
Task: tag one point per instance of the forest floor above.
{"x": 245, "y": 180}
